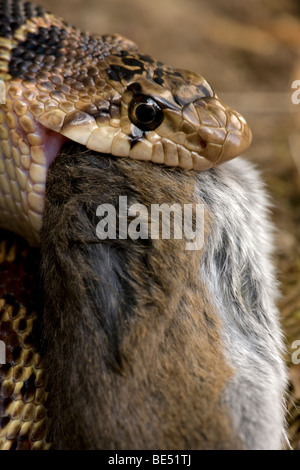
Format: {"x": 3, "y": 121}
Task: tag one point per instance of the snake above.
{"x": 60, "y": 84}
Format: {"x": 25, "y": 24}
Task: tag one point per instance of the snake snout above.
{"x": 238, "y": 136}
{"x": 223, "y": 132}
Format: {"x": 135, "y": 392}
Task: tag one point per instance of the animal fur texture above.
{"x": 149, "y": 345}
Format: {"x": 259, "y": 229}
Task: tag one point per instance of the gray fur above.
{"x": 238, "y": 271}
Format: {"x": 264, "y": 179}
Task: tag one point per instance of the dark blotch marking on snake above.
{"x": 118, "y": 72}
{"x": 35, "y": 49}
{"x": 13, "y": 16}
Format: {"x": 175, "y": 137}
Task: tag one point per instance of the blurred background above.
{"x": 250, "y": 53}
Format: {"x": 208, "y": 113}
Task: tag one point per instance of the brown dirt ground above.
{"x": 250, "y": 52}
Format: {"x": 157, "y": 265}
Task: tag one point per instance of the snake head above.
{"x": 164, "y": 115}
{"x": 101, "y": 92}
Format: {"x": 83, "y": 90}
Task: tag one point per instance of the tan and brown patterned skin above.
{"x": 64, "y": 84}
{"x": 23, "y": 416}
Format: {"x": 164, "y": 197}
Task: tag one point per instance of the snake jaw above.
{"x": 198, "y": 136}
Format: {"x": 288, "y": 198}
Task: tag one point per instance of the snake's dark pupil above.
{"x": 145, "y": 113}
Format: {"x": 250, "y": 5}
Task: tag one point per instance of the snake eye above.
{"x": 145, "y": 113}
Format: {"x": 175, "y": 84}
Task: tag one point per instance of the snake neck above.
{"x": 27, "y": 152}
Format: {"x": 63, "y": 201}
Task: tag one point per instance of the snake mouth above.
{"x": 204, "y": 134}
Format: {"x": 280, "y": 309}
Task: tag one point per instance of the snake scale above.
{"x": 100, "y": 91}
